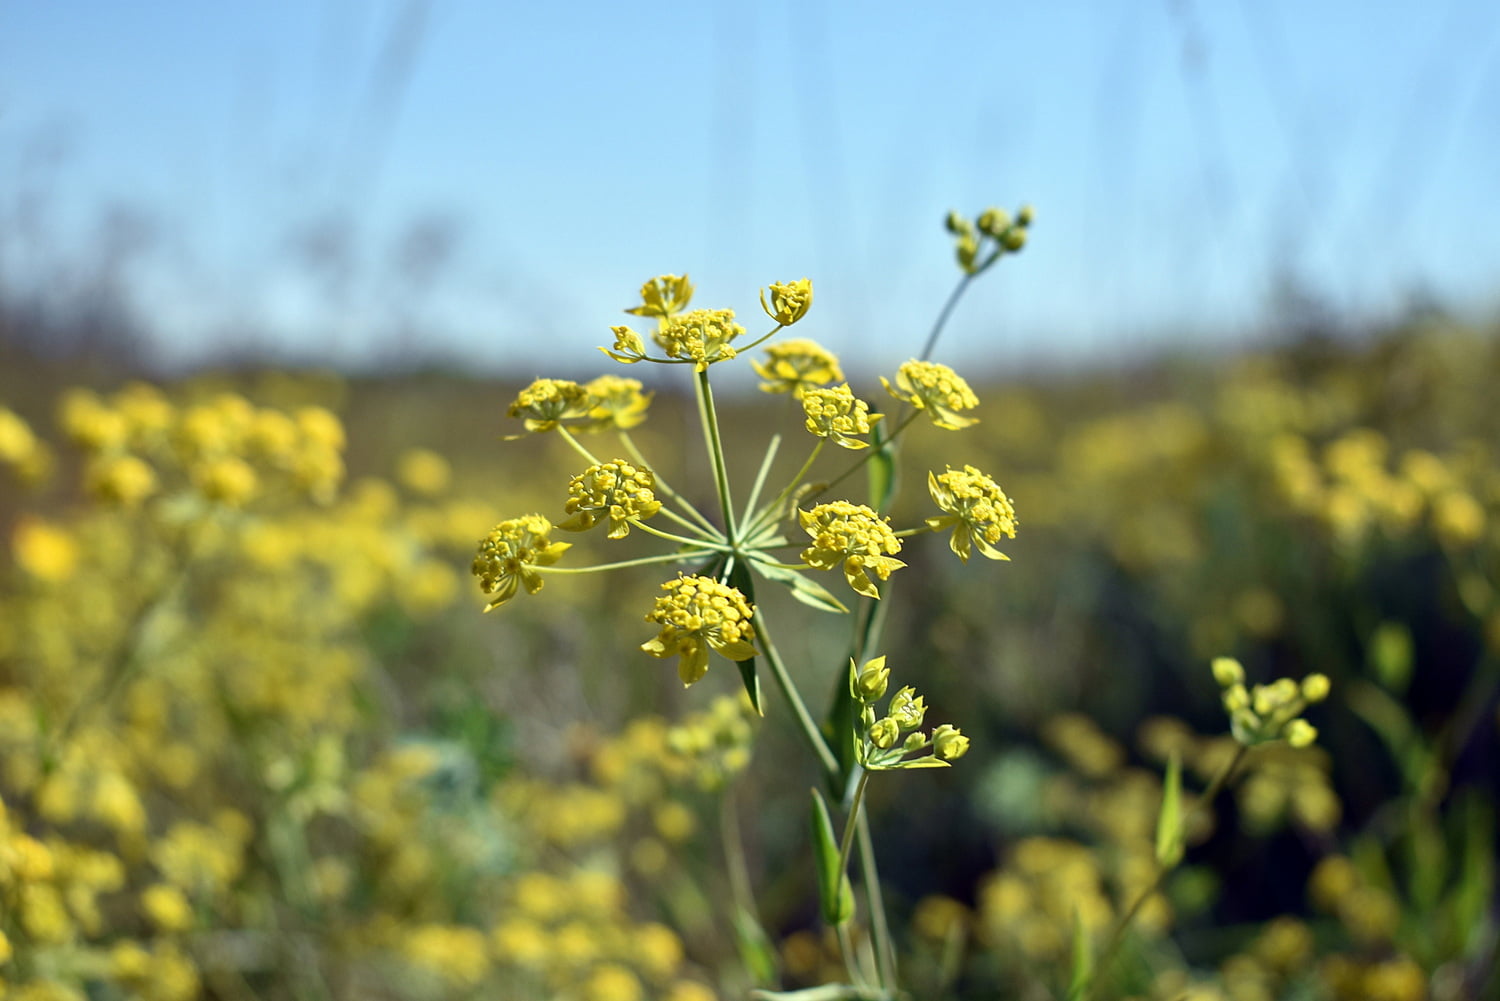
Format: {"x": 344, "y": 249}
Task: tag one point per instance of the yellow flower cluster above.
{"x": 546, "y": 403}
{"x": 21, "y": 451}
{"x": 795, "y": 366}
{"x": 975, "y": 508}
{"x": 937, "y": 389}
{"x": 854, "y": 537}
{"x": 696, "y": 615}
{"x": 509, "y": 555}
{"x": 881, "y": 745}
{"x": 838, "y": 415}
{"x": 1268, "y": 712}
{"x": 616, "y": 491}
{"x": 701, "y": 336}
{"x": 790, "y": 301}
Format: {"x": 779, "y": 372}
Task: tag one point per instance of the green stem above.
{"x": 577, "y": 445}
{"x": 772, "y": 447}
{"x": 768, "y": 514}
{"x": 665, "y": 489}
{"x": 699, "y": 543}
{"x": 870, "y": 453}
{"x": 942, "y": 318}
{"x": 715, "y": 450}
{"x": 854, "y": 807}
{"x": 1117, "y": 934}
{"x": 885, "y": 950}
{"x": 919, "y": 530}
{"x": 761, "y": 339}
{"x": 810, "y": 731}
{"x": 641, "y": 562}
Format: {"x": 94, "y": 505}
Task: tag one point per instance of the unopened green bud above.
{"x": 1227, "y": 671}
{"x": 949, "y": 743}
{"x": 914, "y": 742}
{"x": 1300, "y": 733}
{"x": 993, "y": 222}
{"x": 967, "y": 251}
{"x": 884, "y": 733}
{"x": 908, "y": 708}
{"x": 872, "y": 681}
{"x": 956, "y": 224}
{"x": 1024, "y": 215}
{"x": 1315, "y": 687}
{"x": 1013, "y": 239}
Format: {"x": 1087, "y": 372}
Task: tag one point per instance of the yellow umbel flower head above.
{"x": 836, "y": 413}
{"x": 797, "y": 365}
{"x": 696, "y": 615}
{"x": 701, "y": 336}
{"x": 619, "y": 403}
{"x": 1263, "y": 713}
{"x": 975, "y": 507}
{"x": 856, "y": 537}
{"x": 664, "y": 296}
{"x": 548, "y": 402}
{"x": 614, "y": 490}
{"x": 937, "y": 389}
{"x": 790, "y": 301}
{"x": 123, "y": 479}
{"x": 509, "y": 555}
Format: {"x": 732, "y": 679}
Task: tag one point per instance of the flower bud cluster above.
{"x": 977, "y": 246}
{"x": 509, "y": 555}
{"x": 796, "y": 366}
{"x": 887, "y": 741}
{"x": 1265, "y": 713}
{"x": 790, "y": 301}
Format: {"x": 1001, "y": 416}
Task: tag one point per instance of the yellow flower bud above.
{"x": 1315, "y": 687}
{"x": 884, "y": 733}
{"x": 871, "y": 683}
{"x": 949, "y": 743}
{"x": 1300, "y": 733}
{"x": 790, "y": 301}
{"x": 1227, "y": 672}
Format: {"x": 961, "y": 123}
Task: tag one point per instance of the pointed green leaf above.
{"x": 881, "y": 470}
{"x": 929, "y": 762}
{"x": 757, "y": 952}
{"x": 1169, "y": 833}
{"x": 740, "y": 578}
{"x": 834, "y": 892}
{"x": 1083, "y": 960}
{"x": 803, "y": 587}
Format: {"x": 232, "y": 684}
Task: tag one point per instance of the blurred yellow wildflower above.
{"x": 976, "y": 508}
{"x": 44, "y": 550}
{"x": 796, "y": 365}
{"x": 122, "y": 479}
{"x": 617, "y": 402}
{"x": 664, "y": 296}
{"x": 937, "y": 389}
{"x": 698, "y": 614}
{"x": 854, "y": 536}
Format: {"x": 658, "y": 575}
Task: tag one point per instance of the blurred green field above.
{"x": 257, "y": 740}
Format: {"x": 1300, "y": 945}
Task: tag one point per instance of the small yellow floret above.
{"x": 795, "y": 366}
{"x": 937, "y": 389}
{"x": 854, "y": 536}
{"x": 509, "y": 555}
{"x": 975, "y": 507}
{"x": 698, "y": 614}
{"x": 837, "y": 414}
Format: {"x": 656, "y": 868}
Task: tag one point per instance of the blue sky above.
{"x": 341, "y": 177}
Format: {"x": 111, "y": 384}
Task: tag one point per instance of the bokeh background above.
{"x": 270, "y": 277}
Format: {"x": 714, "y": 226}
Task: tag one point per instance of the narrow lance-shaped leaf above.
{"x": 835, "y": 894}
{"x": 1169, "y": 834}
{"x": 740, "y": 579}
{"x": 1083, "y": 959}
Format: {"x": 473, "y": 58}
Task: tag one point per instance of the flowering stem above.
{"x": 789, "y": 691}
{"x": 870, "y": 453}
{"x": 700, "y": 542}
{"x": 761, "y": 339}
{"x": 854, "y": 807}
{"x": 715, "y": 449}
{"x": 942, "y": 318}
{"x": 664, "y": 488}
{"x": 578, "y": 446}
{"x": 760, "y": 482}
{"x": 907, "y": 532}
{"x": 885, "y": 952}
{"x": 643, "y": 561}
